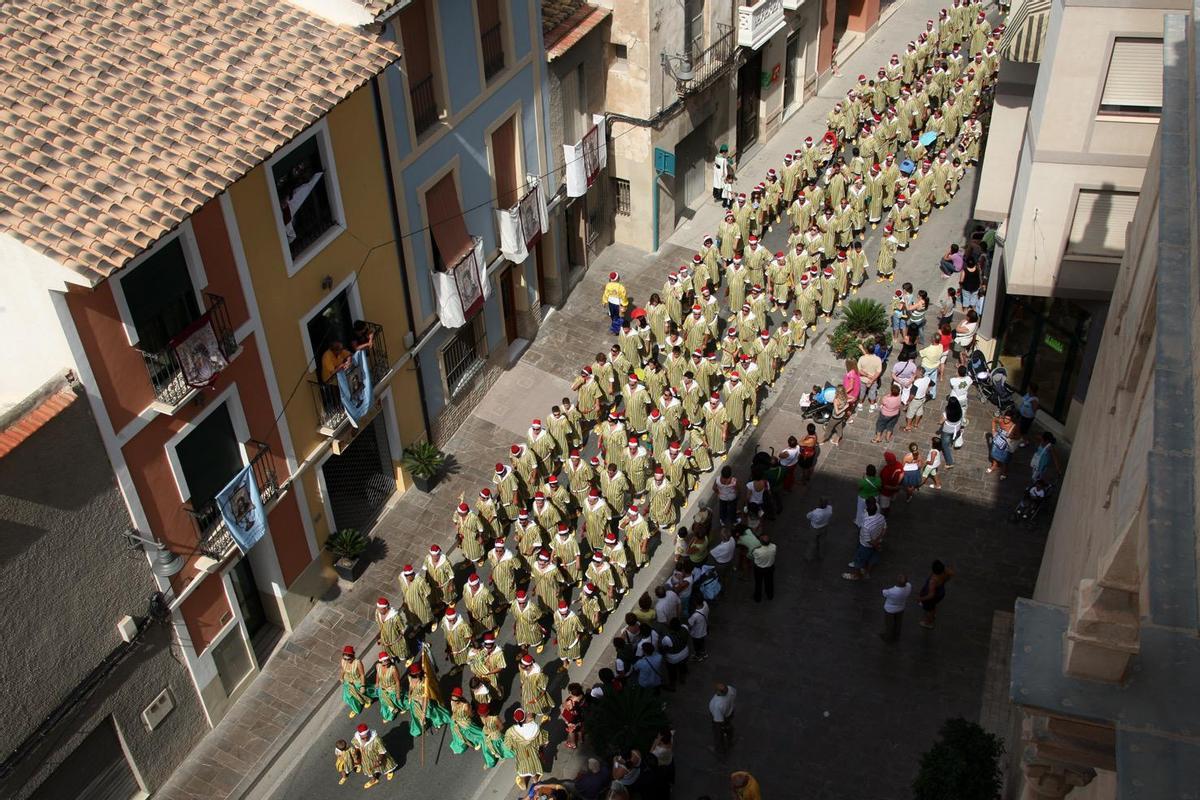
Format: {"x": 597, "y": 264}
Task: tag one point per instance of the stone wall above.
{"x": 66, "y": 577}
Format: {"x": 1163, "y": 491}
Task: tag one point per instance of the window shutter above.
{"x": 1101, "y": 219}
{"x": 1134, "y": 78}
{"x": 446, "y": 221}
{"x": 570, "y": 108}
{"x": 504, "y": 161}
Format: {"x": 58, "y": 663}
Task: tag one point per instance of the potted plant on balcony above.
{"x": 348, "y": 547}
{"x": 424, "y": 461}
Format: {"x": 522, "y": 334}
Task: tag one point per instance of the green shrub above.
{"x": 423, "y": 460}
{"x": 631, "y": 718}
{"x": 861, "y": 319}
{"x": 348, "y": 543}
{"x": 962, "y": 765}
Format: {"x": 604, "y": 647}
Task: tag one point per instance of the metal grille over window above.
{"x": 462, "y": 358}
{"x": 621, "y": 192}
{"x": 361, "y": 479}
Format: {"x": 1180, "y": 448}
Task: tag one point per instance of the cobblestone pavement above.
{"x": 881, "y": 701}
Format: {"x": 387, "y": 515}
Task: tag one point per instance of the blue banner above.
{"x": 355, "y": 385}
{"x": 242, "y": 510}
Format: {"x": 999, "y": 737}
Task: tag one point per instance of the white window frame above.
{"x": 1148, "y": 113}
{"x": 319, "y": 129}
{"x": 195, "y": 268}
{"x": 347, "y": 283}
{"x": 237, "y": 416}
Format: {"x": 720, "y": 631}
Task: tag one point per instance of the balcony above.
{"x": 493, "y": 51}
{"x": 215, "y": 540}
{"x": 793, "y": 5}
{"x": 171, "y": 387}
{"x": 759, "y": 22}
{"x": 424, "y": 104}
{"x": 694, "y": 73}
{"x": 327, "y": 398}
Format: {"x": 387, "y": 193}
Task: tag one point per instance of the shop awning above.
{"x": 1003, "y": 155}
{"x": 1025, "y": 32}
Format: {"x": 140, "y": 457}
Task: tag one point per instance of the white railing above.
{"x": 759, "y": 22}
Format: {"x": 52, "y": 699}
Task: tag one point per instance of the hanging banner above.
{"x": 462, "y": 289}
{"x": 585, "y": 160}
{"x": 198, "y": 352}
{"x": 355, "y": 385}
{"x": 242, "y": 510}
{"x": 523, "y": 224}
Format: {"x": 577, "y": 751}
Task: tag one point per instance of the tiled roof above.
{"x": 567, "y": 33}
{"x": 28, "y": 423}
{"x": 555, "y": 12}
{"x": 122, "y": 117}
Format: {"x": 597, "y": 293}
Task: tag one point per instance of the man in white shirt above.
{"x": 818, "y": 522}
{"x": 895, "y": 598}
{"x": 721, "y": 708}
{"x": 764, "y": 568}
{"x": 916, "y": 402}
{"x": 667, "y": 607}
{"x": 722, "y": 555}
{"x": 870, "y": 536}
{"x": 959, "y": 385}
{"x": 698, "y": 629}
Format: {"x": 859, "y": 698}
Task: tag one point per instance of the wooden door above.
{"x": 508, "y": 299}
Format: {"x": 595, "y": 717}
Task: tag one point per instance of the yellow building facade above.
{"x": 318, "y": 237}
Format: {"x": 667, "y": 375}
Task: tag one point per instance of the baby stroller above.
{"x": 820, "y": 404}
{"x": 991, "y": 381}
{"x": 1035, "y": 497}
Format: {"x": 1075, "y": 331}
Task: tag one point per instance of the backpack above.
{"x": 708, "y": 583}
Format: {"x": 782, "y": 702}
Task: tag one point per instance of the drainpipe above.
{"x": 398, "y": 238}
{"x": 654, "y": 215}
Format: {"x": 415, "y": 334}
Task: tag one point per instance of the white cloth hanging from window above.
{"x": 462, "y": 289}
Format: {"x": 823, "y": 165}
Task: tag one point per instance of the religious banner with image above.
{"x": 242, "y": 510}
{"x": 355, "y": 385}
{"x": 467, "y": 281}
{"x": 198, "y": 352}
{"x": 529, "y": 212}
{"x": 462, "y": 289}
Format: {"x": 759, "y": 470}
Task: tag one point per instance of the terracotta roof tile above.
{"x": 582, "y": 20}
{"x": 122, "y": 117}
{"x": 28, "y": 423}
{"x": 555, "y": 12}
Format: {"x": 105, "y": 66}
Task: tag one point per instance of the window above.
{"x": 491, "y": 37}
{"x": 1101, "y": 218}
{"x": 416, "y": 35}
{"x": 620, "y": 51}
{"x": 209, "y": 456}
{"x": 504, "y": 163}
{"x": 303, "y": 191}
{"x": 447, "y": 228}
{"x": 621, "y": 192}
{"x": 160, "y": 297}
{"x": 97, "y": 768}
{"x": 1133, "y": 84}
{"x": 462, "y": 358}
{"x": 693, "y": 28}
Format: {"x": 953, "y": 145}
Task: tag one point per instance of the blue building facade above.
{"x": 465, "y": 114}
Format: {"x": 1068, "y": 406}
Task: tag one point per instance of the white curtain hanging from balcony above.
{"x": 462, "y": 289}
{"x": 585, "y": 159}
{"x": 523, "y": 224}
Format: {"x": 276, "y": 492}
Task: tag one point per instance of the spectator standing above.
{"x": 726, "y": 489}
{"x": 960, "y": 385}
{"x": 852, "y": 383}
{"x": 870, "y": 368}
{"x": 698, "y": 630}
{"x": 969, "y": 281}
{"x": 890, "y": 477}
{"x": 895, "y": 598}
{"x": 1027, "y": 409}
{"x": 889, "y": 414}
{"x": 868, "y": 487}
{"x": 663, "y": 751}
{"x": 593, "y": 779}
{"x": 952, "y": 425}
{"x": 911, "y": 480}
{"x": 916, "y": 401}
{"x": 933, "y": 592}
{"x": 789, "y": 460}
{"x": 945, "y": 307}
{"x": 870, "y": 540}
{"x": 721, "y": 708}
{"x": 722, "y": 554}
{"x": 964, "y": 336}
{"x": 933, "y": 460}
{"x": 648, "y": 670}
{"x": 764, "y": 569}
{"x": 841, "y": 411}
{"x": 676, "y": 652}
{"x": 818, "y": 523}
{"x": 1000, "y": 444}
{"x": 1044, "y": 457}
{"x": 744, "y": 786}
{"x": 931, "y": 358}
{"x": 667, "y": 607}
{"x": 809, "y": 449}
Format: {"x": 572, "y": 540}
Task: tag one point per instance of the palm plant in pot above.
{"x": 862, "y": 319}
{"x": 348, "y": 547}
{"x": 424, "y": 461}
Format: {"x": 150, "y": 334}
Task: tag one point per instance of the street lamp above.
{"x": 163, "y": 562}
{"x": 679, "y": 68}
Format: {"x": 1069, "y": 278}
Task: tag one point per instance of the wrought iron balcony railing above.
{"x": 492, "y": 44}
{"x": 695, "y": 71}
{"x": 327, "y": 397}
{"x": 162, "y": 364}
{"x": 424, "y": 104}
{"x": 215, "y": 541}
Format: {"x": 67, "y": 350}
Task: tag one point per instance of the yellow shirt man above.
{"x": 332, "y": 360}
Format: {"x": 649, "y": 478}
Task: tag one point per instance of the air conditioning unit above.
{"x": 157, "y": 711}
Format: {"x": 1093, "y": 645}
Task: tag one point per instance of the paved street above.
{"x": 815, "y": 682}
